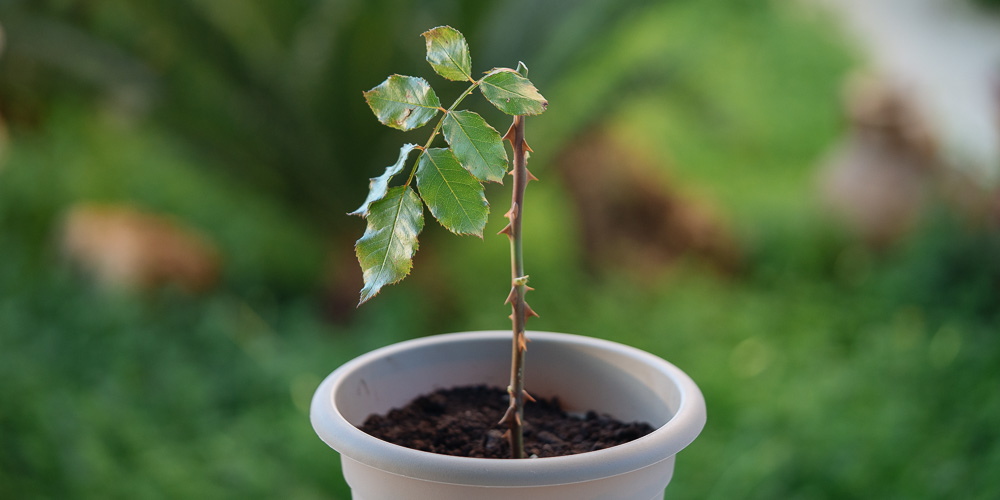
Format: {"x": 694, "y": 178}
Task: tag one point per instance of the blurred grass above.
{"x": 829, "y": 371}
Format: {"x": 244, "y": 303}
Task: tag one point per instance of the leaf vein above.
{"x": 453, "y": 194}
{"x": 508, "y": 91}
{"x": 403, "y": 102}
{"x": 471, "y": 140}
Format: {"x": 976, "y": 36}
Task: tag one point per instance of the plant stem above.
{"x": 515, "y": 412}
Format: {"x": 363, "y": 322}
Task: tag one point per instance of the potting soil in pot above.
{"x": 463, "y": 422}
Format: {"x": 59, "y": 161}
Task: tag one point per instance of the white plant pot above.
{"x": 585, "y": 373}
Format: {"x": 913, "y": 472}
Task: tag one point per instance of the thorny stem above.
{"x": 514, "y": 417}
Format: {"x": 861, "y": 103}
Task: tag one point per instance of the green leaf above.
{"x": 379, "y": 185}
{"x": 476, "y": 145}
{"x": 403, "y": 102}
{"x": 454, "y": 196}
{"x": 448, "y": 53}
{"x": 512, "y": 93}
{"x": 387, "y": 247}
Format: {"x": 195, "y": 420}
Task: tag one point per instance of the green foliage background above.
{"x": 829, "y": 371}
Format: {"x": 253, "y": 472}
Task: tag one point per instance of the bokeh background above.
{"x": 794, "y": 201}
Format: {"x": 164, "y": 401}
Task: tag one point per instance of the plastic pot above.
{"x": 585, "y": 373}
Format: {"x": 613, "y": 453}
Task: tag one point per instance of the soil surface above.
{"x": 463, "y": 422}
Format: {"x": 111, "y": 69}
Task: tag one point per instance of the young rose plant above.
{"x": 449, "y": 181}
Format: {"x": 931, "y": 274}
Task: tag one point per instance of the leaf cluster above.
{"x": 449, "y": 180}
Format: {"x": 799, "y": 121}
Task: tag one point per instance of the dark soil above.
{"x": 463, "y": 422}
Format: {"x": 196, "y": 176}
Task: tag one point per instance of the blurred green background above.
{"x": 832, "y": 368}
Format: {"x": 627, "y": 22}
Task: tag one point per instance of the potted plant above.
{"x": 586, "y": 374}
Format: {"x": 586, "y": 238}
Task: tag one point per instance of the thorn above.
{"x": 509, "y": 136}
{"x": 528, "y": 288}
{"x": 526, "y": 146}
{"x": 511, "y": 317}
{"x": 512, "y": 213}
{"x": 506, "y": 433}
{"x": 507, "y": 415}
{"x": 527, "y": 396}
{"x": 522, "y": 343}
{"x": 528, "y": 311}
{"x": 511, "y": 296}
{"x": 531, "y": 176}
{"x": 506, "y": 230}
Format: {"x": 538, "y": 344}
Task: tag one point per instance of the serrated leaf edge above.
{"x": 457, "y": 65}
{"x": 395, "y": 168}
{"x": 430, "y": 90}
{"x": 409, "y": 263}
{"x": 495, "y": 71}
{"x": 464, "y": 211}
{"x": 372, "y": 90}
{"x": 478, "y": 151}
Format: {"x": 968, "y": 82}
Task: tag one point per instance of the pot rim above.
{"x": 661, "y": 444}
